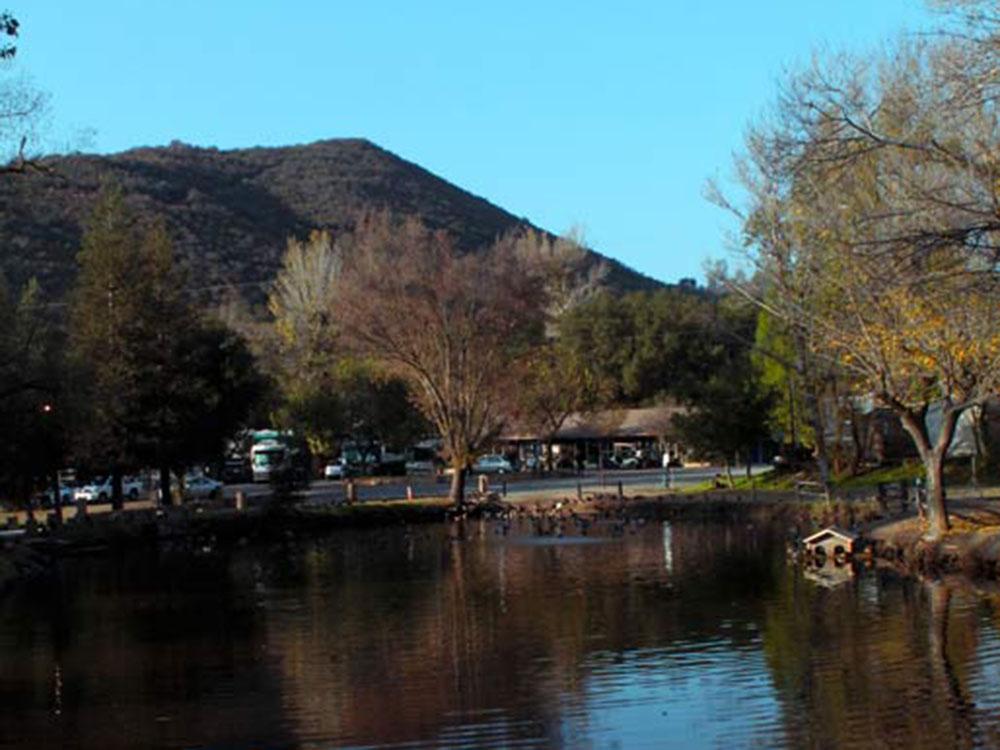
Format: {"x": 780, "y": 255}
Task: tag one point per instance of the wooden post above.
{"x": 350, "y": 492}
{"x": 484, "y": 484}
{"x": 579, "y": 492}
{"x": 621, "y": 492}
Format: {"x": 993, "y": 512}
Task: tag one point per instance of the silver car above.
{"x": 492, "y": 464}
{"x": 199, "y": 487}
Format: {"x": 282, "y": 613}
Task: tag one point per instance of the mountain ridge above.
{"x": 230, "y": 212}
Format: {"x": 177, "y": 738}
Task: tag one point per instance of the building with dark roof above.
{"x": 594, "y": 437}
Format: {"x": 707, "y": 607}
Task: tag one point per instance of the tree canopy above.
{"x": 162, "y": 386}
{"x": 452, "y": 326}
{"x": 872, "y": 226}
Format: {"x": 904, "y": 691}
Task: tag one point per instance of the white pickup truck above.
{"x": 99, "y": 491}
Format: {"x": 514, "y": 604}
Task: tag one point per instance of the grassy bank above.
{"x": 957, "y": 473}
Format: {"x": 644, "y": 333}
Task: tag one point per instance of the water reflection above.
{"x": 881, "y": 658}
{"x": 695, "y": 634}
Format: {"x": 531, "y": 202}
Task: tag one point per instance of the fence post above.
{"x": 350, "y": 492}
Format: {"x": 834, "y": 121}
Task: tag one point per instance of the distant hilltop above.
{"x": 231, "y": 212}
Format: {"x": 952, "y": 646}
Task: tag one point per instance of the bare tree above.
{"x": 555, "y": 382}
{"x": 302, "y": 302}
{"x": 22, "y": 106}
{"x": 452, "y": 326}
{"x": 300, "y": 348}
{"x": 570, "y": 273}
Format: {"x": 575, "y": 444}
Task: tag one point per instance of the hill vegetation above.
{"x": 230, "y": 213}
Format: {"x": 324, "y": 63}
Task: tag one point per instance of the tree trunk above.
{"x": 729, "y": 473}
{"x": 837, "y": 452}
{"x": 814, "y": 414}
{"x": 793, "y": 430}
{"x": 548, "y": 456}
{"x": 166, "y": 496}
{"x": 457, "y": 493}
{"x": 117, "y": 498}
{"x": 937, "y": 511}
{"x": 859, "y": 436}
{"x": 819, "y": 438}
{"x": 980, "y": 433}
{"x": 932, "y": 457}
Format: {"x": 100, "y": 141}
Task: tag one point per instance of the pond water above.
{"x": 655, "y": 635}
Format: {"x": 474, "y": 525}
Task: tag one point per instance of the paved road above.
{"x": 393, "y": 488}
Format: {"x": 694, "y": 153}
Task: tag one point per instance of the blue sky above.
{"x": 609, "y": 115}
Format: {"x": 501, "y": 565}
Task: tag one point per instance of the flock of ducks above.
{"x": 558, "y": 519}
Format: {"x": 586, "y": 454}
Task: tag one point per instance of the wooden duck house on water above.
{"x": 831, "y": 542}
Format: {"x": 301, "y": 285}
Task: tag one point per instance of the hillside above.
{"x": 230, "y": 212}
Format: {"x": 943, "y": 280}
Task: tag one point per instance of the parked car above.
{"x": 200, "y": 487}
{"x": 197, "y": 486}
{"x": 629, "y": 462}
{"x": 99, "y": 490}
{"x": 492, "y": 464}
{"x": 421, "y": 466}
{"x": 336, "y": 470}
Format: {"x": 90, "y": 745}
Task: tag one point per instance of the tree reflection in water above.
{"x": 880, "y": 660}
